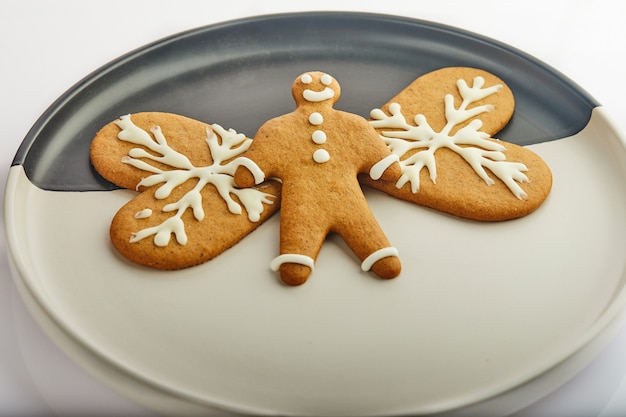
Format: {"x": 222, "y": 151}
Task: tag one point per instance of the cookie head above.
{"x": 315, "y": 87}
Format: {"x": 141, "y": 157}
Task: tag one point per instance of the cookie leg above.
{"x": 300, "y": 243}
{"x": 367, "y": 240}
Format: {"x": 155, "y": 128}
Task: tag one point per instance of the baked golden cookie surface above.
{"x": 318, "y": 152}
{"x": 188, "y": 210}
{"x": 203, "y": 188}
{"x": 441, "y": 128}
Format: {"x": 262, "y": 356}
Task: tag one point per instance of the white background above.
{"x": 47, "y": 46}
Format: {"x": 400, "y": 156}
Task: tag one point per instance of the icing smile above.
{"x": 317, "y": 96}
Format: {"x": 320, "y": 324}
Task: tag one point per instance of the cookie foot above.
{"x": 387, "y": 268}
{"x": 294, "y": 269}
{"x": 294, "y": 274}
{"x": 384, "y": 263}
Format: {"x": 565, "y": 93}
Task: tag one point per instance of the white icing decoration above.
{"x": 143, "y": 214}
{"x": 470, "y": 143}
{"x": 379, "y": 167}
{"x": 367, "y": 264}
{"x": 292, "y": 258}
{"x": 306, "y": 79}
{"x": 326, "y": 79}
{"x": 319, "y": 137}
{"x": 321, "y": 155}
{"x": 316, "y": 119}
{"x": 219, "y": 174}
{"x": 317, "y": 96}
{"x": 162, "y": 233}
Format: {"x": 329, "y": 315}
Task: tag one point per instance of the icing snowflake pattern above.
{"x": 219, "y": 174}
{"x": 468, "y": 142}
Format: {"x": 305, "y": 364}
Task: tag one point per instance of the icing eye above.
{"x": 327, "y": 79}
{"x": 306, "y": 79}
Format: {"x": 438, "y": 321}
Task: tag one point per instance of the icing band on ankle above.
{"x": 291, "y": 258}
{"x": 377, "y": 256}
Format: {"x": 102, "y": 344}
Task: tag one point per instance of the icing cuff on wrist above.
{"x": 379, "y": 167}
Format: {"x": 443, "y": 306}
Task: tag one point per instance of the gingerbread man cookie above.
{"x": 318, "y": 152}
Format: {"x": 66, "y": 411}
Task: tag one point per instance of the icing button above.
{"x": 319, "y": 137}
{"x": 321, "y": 155}
{"x": 316, "y": 119}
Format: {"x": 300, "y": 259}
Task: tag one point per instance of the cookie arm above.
{"x": 244, "y": 178}
{"x": 255, "y": 170}
{"x": 387, "y": 168}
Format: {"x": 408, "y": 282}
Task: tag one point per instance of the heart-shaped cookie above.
{"x": 441, "y": 128}
{"x": 188, "y": 210}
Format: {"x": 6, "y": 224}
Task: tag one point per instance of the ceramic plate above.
{"x": 478, "y": 310}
